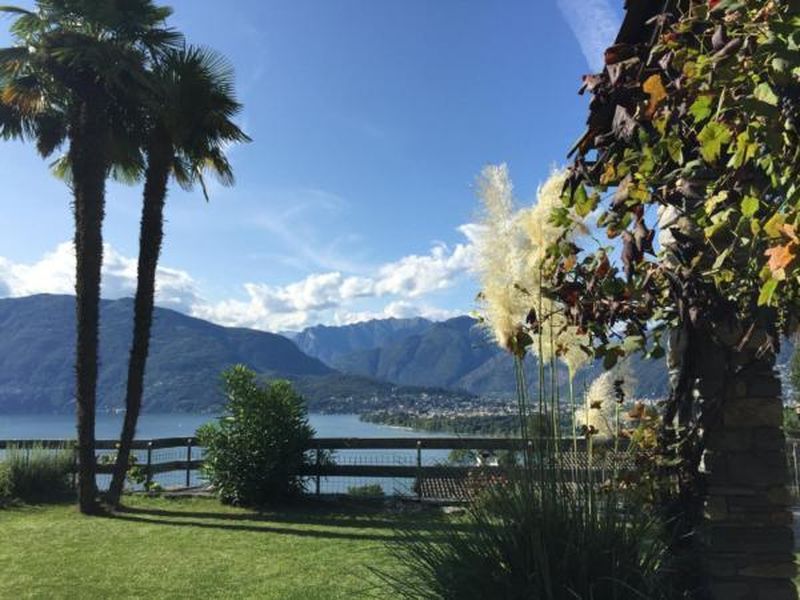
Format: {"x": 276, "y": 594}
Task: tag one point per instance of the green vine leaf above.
{"x": 713, "y": 136}
{"x": 749, "y": 206}
{"x": 764, "y": 93}
{"x": 701, "y": 109}
{"x": 767, "y": 292}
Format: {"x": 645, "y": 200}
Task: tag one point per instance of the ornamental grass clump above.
{"x": 36, "y": 475}
{"x": 519, "y": 542}
{"x": 549, "y": 530}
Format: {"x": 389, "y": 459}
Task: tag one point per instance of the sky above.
{"x": 371, "y": 120}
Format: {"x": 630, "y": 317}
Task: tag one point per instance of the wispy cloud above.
{"x": 298, "y": 228}
{"x": 595, "y": 24}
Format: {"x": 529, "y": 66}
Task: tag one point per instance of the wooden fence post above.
{"x": 419, "y": 470}
{"x": 189, "y": 462}
{"x": 148, "y": 481}
{"x": 319, "y": 469}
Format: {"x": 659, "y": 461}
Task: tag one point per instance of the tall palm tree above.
{"x": 189, "y": 127}
{"x": 73, "y": 76}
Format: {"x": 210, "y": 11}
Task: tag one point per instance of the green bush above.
{"x": 791, "y": 422}
{"x": 36, "y": 475}
{"x": 370, "y": 490}
{"x": 255, "y": 451}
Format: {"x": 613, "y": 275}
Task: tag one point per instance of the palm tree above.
{"x": 189, "y": 127}
{"x": 73, "y": 76}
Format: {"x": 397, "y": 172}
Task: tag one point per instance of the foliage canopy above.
{"x": 694, "y": 132}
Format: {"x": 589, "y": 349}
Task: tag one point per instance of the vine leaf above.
{"x": 713, "y": 136}
{"x": 789, "y": 231}
{"x": 779, "y": 258}
{"x": 774, "y": 226}
{"x": 767, "y": 291}
{"x": 764, "y": 93}
{"x": 654, "y": 88}
{"x": 749, "y": 206}
{"x": 701, "y": 109}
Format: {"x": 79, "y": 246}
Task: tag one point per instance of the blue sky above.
{"x": 370, "y": 120}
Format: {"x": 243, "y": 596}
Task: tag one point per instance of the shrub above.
{"x": 255, "y": 451}
{"x": 370, "y": 490}
{"x": 6, "y": 491}
{"x": 136, "y": 474}
{"x": 36, "y": 474}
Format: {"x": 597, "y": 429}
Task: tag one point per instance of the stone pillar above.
{"x": 746, "y": 539}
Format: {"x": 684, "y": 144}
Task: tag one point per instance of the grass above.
{"x": 197, "y": 548}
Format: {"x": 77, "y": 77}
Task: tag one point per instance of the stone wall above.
{"x": 747, "y": 539}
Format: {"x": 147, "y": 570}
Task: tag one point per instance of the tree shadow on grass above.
{"x": 199, "y": 524}
{"x": 411, "y": 526}
{"x": 322, "y": 516}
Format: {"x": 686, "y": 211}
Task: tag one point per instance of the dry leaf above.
{"x": 789, "y": 230}
{"x": 654, "y": 88}
{"x": 780, "y": 256}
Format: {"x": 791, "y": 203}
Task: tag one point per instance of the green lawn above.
{"x": 196, "y": 548}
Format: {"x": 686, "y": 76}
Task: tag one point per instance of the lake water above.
{"x": 175, "y": 425}
{"x": 20, "y": 427}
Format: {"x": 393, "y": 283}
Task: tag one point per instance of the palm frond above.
{"x": 11, "y": 58}
{"x": 15, "y": 10}
{"x": 61, "y": 169}
{"x": 51, "y": 131}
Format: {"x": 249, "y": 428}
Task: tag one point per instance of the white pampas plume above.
{"x": 512, "y": 247}
{"x": 602, "y": 401}
{"x": 501, "y": 257}
{"x": 558, "y": 338}
{"x": 536, "y": 221}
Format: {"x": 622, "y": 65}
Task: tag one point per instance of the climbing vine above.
{"x": 694, "y": 133}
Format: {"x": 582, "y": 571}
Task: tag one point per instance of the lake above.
{"x": 19, "y": 427}
{"x": 175, "y": 425}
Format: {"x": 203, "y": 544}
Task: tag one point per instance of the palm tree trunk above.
{"x": 151, "y": 234}
{"x": 88, "y": 155}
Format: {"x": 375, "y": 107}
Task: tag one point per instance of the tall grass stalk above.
{"x": 573, "y": 408}
{"x": 522, "y": 406}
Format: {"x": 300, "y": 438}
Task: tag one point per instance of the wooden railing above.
{"x": 319, "y": 467}
{"x": 191, "y": 462}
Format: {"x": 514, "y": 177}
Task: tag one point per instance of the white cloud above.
{"x": 396, "y": 289}
{"x": 414, "y": 276}
{"x": 398, "y": 309}
{"x": 595, "y": 24}
{"x": 54, "y": 273}
{"x": 329, "y": 297}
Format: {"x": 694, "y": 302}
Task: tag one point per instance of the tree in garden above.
{"x": 693, "y": 135}
{"x": 188, "y": 127}
{"x": 74, "y": 76}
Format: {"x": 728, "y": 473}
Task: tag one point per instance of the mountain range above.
{"x": 376, "y": 364}
{"x": 187, "y": 356}
{"x": 456, "y": 354}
